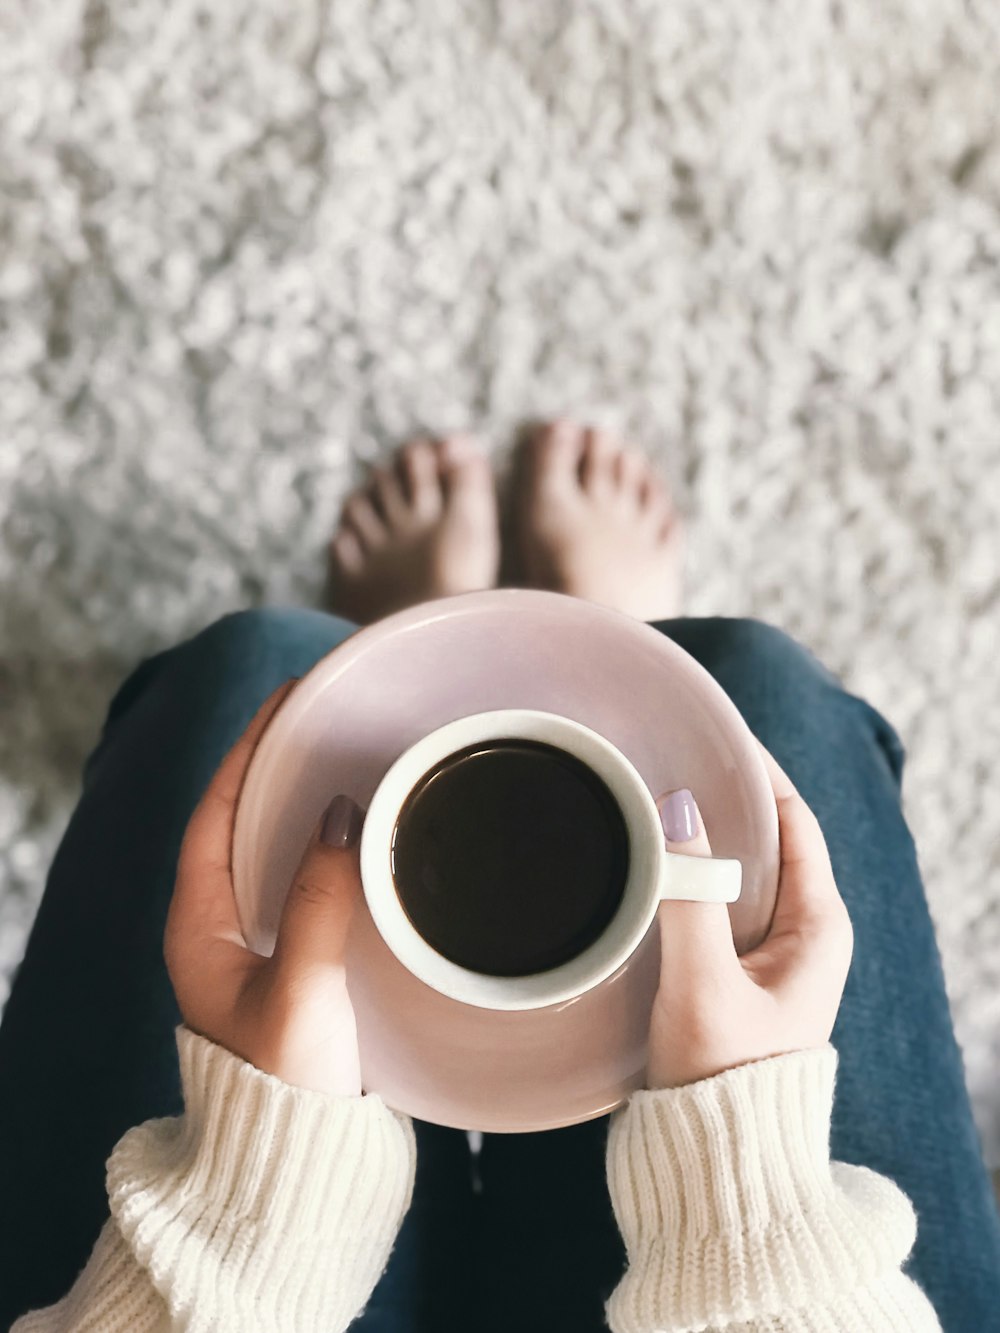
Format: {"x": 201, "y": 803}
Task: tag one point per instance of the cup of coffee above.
{"x": 515, "y": 858}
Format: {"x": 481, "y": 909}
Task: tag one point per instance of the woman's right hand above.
{"x": 715, "y": 1010}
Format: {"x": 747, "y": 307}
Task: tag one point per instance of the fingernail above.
{"x": 679, "y": 816}
{"x": 342, "y": 823}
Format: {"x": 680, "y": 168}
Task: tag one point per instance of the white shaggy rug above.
{"x": 246, "y": 248}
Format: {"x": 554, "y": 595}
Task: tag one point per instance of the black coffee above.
{"x": 510, "y": 857}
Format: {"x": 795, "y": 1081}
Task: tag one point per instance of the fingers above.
{"x": 203, "y": 904}
{"x": 807, "y": 953}
{"x": 321, "y": 901}
{"x": 807, "y": 890}
{"x": 693, "y": 936}
{"x": 225, "y": 787}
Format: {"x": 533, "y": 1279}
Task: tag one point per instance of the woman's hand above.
{"x": 290, "y": 1014}
{"x": 714, "y": 1010}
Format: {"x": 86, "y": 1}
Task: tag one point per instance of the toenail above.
{"x": 418, "y": 454}
{"x": 457, "y": 448}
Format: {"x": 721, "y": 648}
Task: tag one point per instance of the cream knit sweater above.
{"x": 272, "y": 1208}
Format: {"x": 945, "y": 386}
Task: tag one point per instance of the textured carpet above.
{"x": 246, "y": 249}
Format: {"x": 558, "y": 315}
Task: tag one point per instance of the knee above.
{"x": 255, "y": 626}
{"x": 779, "y": 684}
{"x": 765, "y": 649}
{"x": 263, "y": 638}
{"x": 767, "y": 673}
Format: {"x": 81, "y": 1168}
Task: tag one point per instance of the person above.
{"x": 252, "y": 1183}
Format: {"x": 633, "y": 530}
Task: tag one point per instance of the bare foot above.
{"x": 594, "y": 519}
{"x": 425, "y": 527}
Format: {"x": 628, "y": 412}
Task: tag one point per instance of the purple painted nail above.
{"x": 342, "y": 822}
{"x": 679, "y": 816}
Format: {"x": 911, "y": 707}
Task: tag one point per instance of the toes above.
{"x": 388, "y": 496}
{"x": 598, "y": 462}
{"x": 467, "y": 477}
{"x": 552, "y": 456}
{"x": 419, "y": 466}
{"x": 346, "y": 551}
{"x": 454, "y": 449}
{"x": 359, "y": 514}
{"x": 629, "y": 473}
{"x": 671, "y": 530}
{"x": 653, "y": 493}
{"x": 454, "y": 453}
{"x": 649, "y": 496}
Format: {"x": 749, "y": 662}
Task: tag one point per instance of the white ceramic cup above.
{"x": 654, "y": 873}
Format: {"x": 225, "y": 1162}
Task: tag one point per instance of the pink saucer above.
{"x": 389, "y": 684}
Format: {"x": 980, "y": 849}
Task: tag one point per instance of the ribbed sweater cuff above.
{"x": 730, "y": 1206}
{"x": 265, "y": 1205}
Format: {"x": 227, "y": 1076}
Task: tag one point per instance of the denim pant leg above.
{"x": 550, "y": 1242}
{"x": 87, "y": 1046}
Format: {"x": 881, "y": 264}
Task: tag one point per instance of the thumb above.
{"x": 325, "y": 891}
{"x": 693, "y": 935}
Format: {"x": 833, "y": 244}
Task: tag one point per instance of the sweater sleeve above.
{"x": 734, "y": 1217}
{"x": 263, "y": 1207}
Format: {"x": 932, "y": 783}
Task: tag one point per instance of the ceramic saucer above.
{"x": 390, "y": 683}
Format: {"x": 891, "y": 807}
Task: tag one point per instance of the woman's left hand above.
{"x": 290, "y": 1015}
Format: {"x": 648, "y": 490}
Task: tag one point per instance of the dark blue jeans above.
{"x": 87, "y": 1039}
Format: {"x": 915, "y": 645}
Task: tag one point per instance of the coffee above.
{"x": 510, "y": 857}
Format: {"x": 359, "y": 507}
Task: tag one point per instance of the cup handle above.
{"x": 702, "y": 879}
